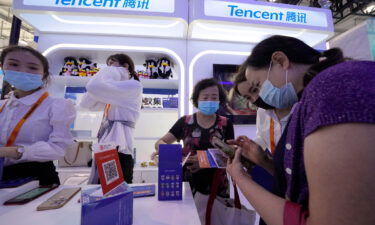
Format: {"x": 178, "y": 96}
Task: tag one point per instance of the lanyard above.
{"x": 106, "y": 109}
{"x": 2, "y": 107}
{"x": 17, "y": 128}
{"x": 272, "y": 136}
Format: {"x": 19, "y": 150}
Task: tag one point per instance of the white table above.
{"x": 146, "y": 210}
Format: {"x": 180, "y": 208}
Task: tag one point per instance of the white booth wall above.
{"x": 356, "y": 42}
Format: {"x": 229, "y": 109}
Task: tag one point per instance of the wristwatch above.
{"x": 20, "y": 151}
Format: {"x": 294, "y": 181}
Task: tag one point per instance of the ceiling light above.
{"x": 370, "y": 8}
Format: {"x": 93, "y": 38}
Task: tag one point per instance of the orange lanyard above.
{"x": 2, "y": 107}
{"x": 106, "y": 109}
{"x": 272, "y": 136}
{"x": 17, "y": 128}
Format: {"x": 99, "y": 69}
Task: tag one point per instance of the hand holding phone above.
{"x": 230, "y": 151}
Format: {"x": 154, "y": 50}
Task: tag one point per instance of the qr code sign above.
{"x": 110, "y": 171}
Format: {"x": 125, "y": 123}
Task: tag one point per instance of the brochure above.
{"x": 212, "y": 158}
{"x": 109, "y": 169}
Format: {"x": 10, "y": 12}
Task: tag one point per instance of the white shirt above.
{"x": 46, "y": 133}
{"x": 263, "y": 127}
{"x": 111, "y": 85}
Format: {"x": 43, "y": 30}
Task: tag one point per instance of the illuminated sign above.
{"x": 265, "y": 13}
{"x": 165, "y": 6}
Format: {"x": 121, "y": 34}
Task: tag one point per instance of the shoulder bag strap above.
{"x": 213, "y": 193}
{"x": 80, "y": 145}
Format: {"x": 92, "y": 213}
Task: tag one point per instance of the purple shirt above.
{"x": 344, "y": 93}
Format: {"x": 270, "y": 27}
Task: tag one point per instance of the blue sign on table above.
{"x": 170, "y": 172}
{"x": 112, "y": 209}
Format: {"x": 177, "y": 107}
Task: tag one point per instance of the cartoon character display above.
{"x": 70, "y": 67}
{"x": 151, "y": 68}
{"x": 164, "y": 68}
{"x": 86, "y": 67}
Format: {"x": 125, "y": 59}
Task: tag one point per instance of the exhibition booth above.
{"x": 194, "y": 39}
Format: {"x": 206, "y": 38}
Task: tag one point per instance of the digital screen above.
{"x": 32, "y": 193}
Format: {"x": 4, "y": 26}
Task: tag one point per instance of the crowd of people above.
{"x": 314, "y": 131}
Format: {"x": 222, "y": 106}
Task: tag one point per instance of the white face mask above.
{"x": 280, "y": 98}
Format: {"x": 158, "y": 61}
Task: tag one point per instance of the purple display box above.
{"x": 170, "y": 172}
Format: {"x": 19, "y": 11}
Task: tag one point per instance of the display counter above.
{"x": 147, "y": 210}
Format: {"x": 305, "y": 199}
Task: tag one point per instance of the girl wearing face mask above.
{"x": 116, "y": 90}
{"x": 34, "y": 126}
{"x": 270, "y": 122}
{"x": 196, "y": 132}
{"x": 322, "y": 157}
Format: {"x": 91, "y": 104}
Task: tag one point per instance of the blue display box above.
{"x": 170, "y": 172}
{"x": 116, "y": 208}
{"x": 171, "y": 102}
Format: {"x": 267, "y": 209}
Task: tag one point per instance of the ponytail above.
{"x": 133, "y": 74}
{"x": 331, "y": 57}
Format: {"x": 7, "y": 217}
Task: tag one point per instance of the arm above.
{"x": 62, "y": 116}
{"x": 340, "y": 161}
{"x": 107, "y": 87}
{"x": 254, "y": 153}
{"x": 89, "y": 102}
{"x": 168, "y": 138}
{"x": 269, "y": 206}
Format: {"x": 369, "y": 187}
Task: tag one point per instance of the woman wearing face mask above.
{"x": 270, "y": 121}
{"x": 323, "y": 158}
{"x": 34, "y": 126}
{"x": 270, "y": 124}
{"x": 196, "y": 132}
{"x": 116, "y": 90}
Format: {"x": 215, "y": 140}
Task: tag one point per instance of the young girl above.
{"x": 34, "y": 127}
{"x": 116, "y": 90}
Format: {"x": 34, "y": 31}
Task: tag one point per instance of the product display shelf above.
{"x": 73, "y": 81}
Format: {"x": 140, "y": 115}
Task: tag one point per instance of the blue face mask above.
{"x": 208, "y": 107}
{"x": 280, "y": 98}
{"x": 22, "y": 80}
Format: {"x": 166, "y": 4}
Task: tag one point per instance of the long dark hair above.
{"x": 297, "y": 52}
{"x": 124, "y": 59}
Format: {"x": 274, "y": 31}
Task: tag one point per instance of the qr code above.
{"x": 110, "y": 171}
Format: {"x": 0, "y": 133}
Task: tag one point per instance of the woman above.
{"x": 34, "y": 126}
{"x": 196, "y": 132}
{"x": 116, "y": 90}
{"x": 270, "y": 122}
{"x": 322, "y": 158}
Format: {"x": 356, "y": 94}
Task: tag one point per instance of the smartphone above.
{"x": 229, "y": 151}
{"x": 30, "y": 195}
{"x": 221, "y": 145}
